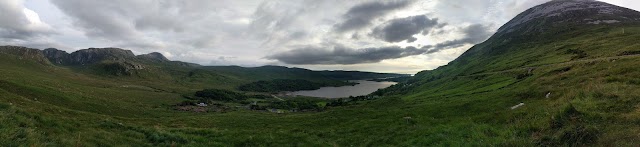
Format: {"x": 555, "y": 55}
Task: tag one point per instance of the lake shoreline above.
{"x": 364, "y": 87}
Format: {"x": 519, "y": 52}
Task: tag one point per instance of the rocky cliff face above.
{"x": 112, "y": 61}
{"x": 95, "y": 55}
{"x": 56, "y": 56}
{"x": 559, "y": 13}
{"x": 88, "y": 56}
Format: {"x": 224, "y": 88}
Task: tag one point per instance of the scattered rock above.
{"x": 530, "y": 71}
{"x": 408, "y": 119}
{"x": 517, "y": 106}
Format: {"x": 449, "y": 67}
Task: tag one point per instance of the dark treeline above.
{"x": 207, "y": 95}
{"x": 357, "y": 75}
{"x": 350, "y": 100}
{"x": 287, "y": 85}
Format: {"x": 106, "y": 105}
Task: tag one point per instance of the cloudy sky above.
{"x": 382, "y": 36}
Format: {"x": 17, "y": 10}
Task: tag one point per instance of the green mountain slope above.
{"x": 154, "y": 68}
{"x": 577, "y": 81}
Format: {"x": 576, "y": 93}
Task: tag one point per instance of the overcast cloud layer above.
{"x": 404, "y": 36}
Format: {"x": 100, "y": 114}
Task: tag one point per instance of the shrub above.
{"x": 220, "y": 95}
{"x": 284, "y": 85}
{"x": 629, "y": 53}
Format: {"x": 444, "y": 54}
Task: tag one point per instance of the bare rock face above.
{"x": 25, "y": 53}
{"x": 56, "y": 56}
{"x": 112, "y": 61}
{"x": 120, "y": 68}
{"x": 95, "y": 55}
{"x": 563, "y": 13}
{"x": 87, "y": 56}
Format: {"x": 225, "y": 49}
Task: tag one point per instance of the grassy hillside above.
{"x": 576, "y": 86}
{"x": 593, "y": 100}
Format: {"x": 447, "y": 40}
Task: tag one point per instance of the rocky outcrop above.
{"x": 56, "y": 56}
{"x": 87, "y": 56}
{"x": 95, "y": 55}
{"x": 113, "y": 61}
{"x": 155, "y": 56}
{"x": 121, "y": 68}
{"x": 25, "y": 53}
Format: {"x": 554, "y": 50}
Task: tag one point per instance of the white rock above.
{"x": 603, "y": 21}
{"x": 516, "y": 106}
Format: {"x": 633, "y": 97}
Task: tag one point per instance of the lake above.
{"x": 362, "y": 88}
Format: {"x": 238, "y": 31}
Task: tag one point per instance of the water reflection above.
{"x": 363, "y": 88}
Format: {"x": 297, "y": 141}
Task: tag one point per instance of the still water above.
{"x": 363, "y": 88}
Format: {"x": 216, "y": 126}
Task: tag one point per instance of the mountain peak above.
{"x": 154, "y": 56}
{"x": 94, "y": 55}
{"x": 572, "y": 11}
{"x": 56, "y": 56}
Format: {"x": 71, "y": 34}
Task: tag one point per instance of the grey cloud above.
{"x": 34, "y": 42}
{"x": 279, "y": 22}
{"x": 176, "y": 26}
{"x": 122, "y": 20}
{"x": 343, "y": 55}
{"x": 105, "y": 19}
{"x": 222, "y": 60}
{"x": 14, "y": 23}
{"x": 401, "y": 29}
{"x": 159, "y": 22}
{"x": 362, "y": 15}
{"x": 473, "y": 34}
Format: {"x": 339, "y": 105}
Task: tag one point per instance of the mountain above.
{"x": 556, "y": 31}
{"x": 87, "y": 56}
{"x": 568, "y": 13}
{"x": 153, "y": 56}
{"x": 560, "y": 74}
{"x": 25, "y": 53}
{"x": 156, "y": 67}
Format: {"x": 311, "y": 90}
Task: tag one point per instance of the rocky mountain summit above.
{"x": 569, "y": 13}
{"x": 87, "y": 56}
{"x": 56, "y": 56}
{"x": 114, "y": 61}
{"x": 153, "y": 56}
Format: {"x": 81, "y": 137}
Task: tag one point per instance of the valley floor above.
{"x": 51, "y": 107}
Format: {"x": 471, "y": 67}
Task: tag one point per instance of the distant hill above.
{"x": 156, "y": 67}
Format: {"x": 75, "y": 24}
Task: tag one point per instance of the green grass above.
{"x": 594, "y": 101}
